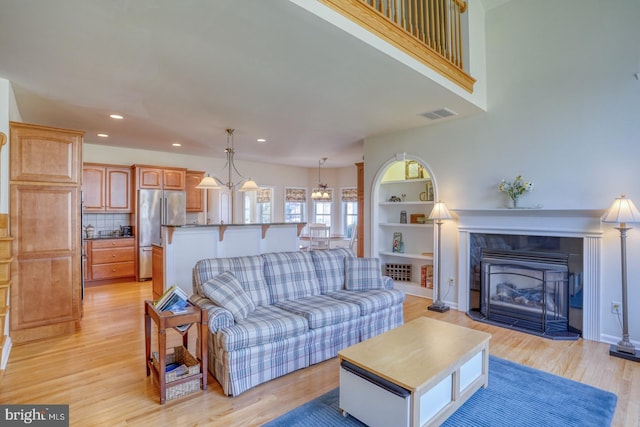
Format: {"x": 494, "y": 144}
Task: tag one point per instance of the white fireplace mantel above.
{"x": 547, "y": 222}
{"x": 581, "y": 223}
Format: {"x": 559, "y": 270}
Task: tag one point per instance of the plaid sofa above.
{"x": 274, "y": 313}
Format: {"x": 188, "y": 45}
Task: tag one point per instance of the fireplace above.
{"x": 529, "y": 283}
{"x": 573, "y": 232}
{"x": 527, "y": 291}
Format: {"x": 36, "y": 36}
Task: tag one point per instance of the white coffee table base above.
{"x": 432, "y": 394}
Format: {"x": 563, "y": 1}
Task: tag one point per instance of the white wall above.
{"x": 8, "y": 112}
{"x": 563, "y": 111}
{"x": 265, "y": 174}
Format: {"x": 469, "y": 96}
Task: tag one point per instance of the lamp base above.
{"x": 634, "y": 357}
{"x": 440, "y": 308}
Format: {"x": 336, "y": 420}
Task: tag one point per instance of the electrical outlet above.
{"x": 616, "y": 307}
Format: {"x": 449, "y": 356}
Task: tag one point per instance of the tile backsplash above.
{"x": 105, "y": 222}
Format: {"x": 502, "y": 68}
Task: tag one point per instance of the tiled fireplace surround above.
{"x": 584, "y": 224}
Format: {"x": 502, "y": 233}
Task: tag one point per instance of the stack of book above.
{"x": 174, "y": 300}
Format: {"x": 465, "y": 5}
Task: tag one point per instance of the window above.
{"x": 295, "y": 200}
{"x": 349, "y": 210}
{"x": 257, "y": 206}
{"x": 322, "y": 210}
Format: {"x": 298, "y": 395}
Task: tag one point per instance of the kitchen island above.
{"x": 184, "y": 245}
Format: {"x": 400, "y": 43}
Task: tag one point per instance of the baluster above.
{"x": 432, "y": 24}
{"x": 421, "y": 14}
{"x": 439, "y": 26}
{"x": 415, "y": 18}
{"x": 460, "y": 60}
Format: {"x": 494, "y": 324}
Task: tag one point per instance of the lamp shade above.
{"x": 440, "y": 211}
{"x": 249, "y": 185}
{"x": 622, "y": 211}
{"x": 208, "y": 182}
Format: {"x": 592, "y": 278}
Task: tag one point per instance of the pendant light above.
{"x": 213, "y": 182}
{"x": 321, "y": 193}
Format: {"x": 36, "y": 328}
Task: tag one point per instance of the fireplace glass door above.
{"x": 526, "y": 290}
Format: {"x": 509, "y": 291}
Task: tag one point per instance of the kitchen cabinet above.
{"x": 195, "y": 199}
{"x": 160, "y": 178}
{"x": 106, "y": 188}
{"x": 157, "y": 271}
{"x": 45, "y": 177}
{"x": 398, "y": 202}
{"x": 112, "y": 259}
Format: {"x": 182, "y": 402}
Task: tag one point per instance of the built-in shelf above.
{"x": 396, "y": 199}
{"x": 407, "y": 255}
{"x": 413, "y": 202}
{"x": 405, "y": 224}
{"x": 405, "y": 181}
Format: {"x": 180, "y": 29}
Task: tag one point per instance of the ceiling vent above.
{"x": 439, "y": 114}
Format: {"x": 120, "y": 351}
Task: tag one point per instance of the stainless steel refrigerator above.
{"x": 156, "y": 208}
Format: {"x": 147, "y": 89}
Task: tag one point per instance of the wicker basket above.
{"x": 399, "y": 272}
{"x": 181, "y": 356}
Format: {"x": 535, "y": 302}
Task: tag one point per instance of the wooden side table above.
{"x": 167, "y": 320}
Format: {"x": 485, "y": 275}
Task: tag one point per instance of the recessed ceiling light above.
{"x": 261, "y": 140}
{"x": 103, "y": 135}
{"x": 177, "y": 144}
{"x": 116, "y": 116}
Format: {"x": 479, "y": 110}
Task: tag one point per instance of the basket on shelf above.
{"x": 399, "y": 272}
{"x": 180, "y": 356}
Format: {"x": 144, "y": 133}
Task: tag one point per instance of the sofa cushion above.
{"x": 266, "y": 324}
{"x": 227, "y": 292}
{"x": 249, "y": 270}
{"x": 321, "y": 310}
{"x": 329, "y": 266}
{"x": 362, "y": 274}
{"x": 370, "y": 301}
{"x": 290, "y": 275}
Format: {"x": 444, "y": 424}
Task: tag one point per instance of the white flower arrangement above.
{"x": 515, "y": 188}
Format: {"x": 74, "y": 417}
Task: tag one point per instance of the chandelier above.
{"x": 321, "y": 193}
{"x": 213, "y": 182}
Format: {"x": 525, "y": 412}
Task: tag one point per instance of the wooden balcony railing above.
{"x": 428, "y": 30}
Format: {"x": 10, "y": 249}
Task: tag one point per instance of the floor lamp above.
{"x": 622, "y": 212}
{"x": 439, "y": 213}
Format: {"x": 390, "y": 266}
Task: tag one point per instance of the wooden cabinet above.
{"x": 160, "y": 178}
{"x": 106, "y": 188}
{"x": 112, "y": 259}
{"x": 195, "y": 199}
{"x": 45, "y": 172}
{"x": 93, "y": 187}
{"x": 360, "y": 225}
{"x": 157, "y": 271}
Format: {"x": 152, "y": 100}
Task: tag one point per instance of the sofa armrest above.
{"x": 218, "y": 317}
{"x": 388, "y": 282}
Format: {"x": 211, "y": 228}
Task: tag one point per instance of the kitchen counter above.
{"x": 221, "y": 228}
{"x": 187, "y": 244}
{"x": 236, "y": 225}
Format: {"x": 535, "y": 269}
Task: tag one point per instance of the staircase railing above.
{"x": 429, "y": 30}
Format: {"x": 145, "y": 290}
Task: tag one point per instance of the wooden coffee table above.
{"x": 415, "y": 375}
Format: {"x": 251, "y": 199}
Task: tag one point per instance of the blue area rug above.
{"x": 517, "y": 396}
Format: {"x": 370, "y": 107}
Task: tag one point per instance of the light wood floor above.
{"x": 100, "y": 371}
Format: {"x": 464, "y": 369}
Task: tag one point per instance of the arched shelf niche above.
{"x": 404, "y": 188}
